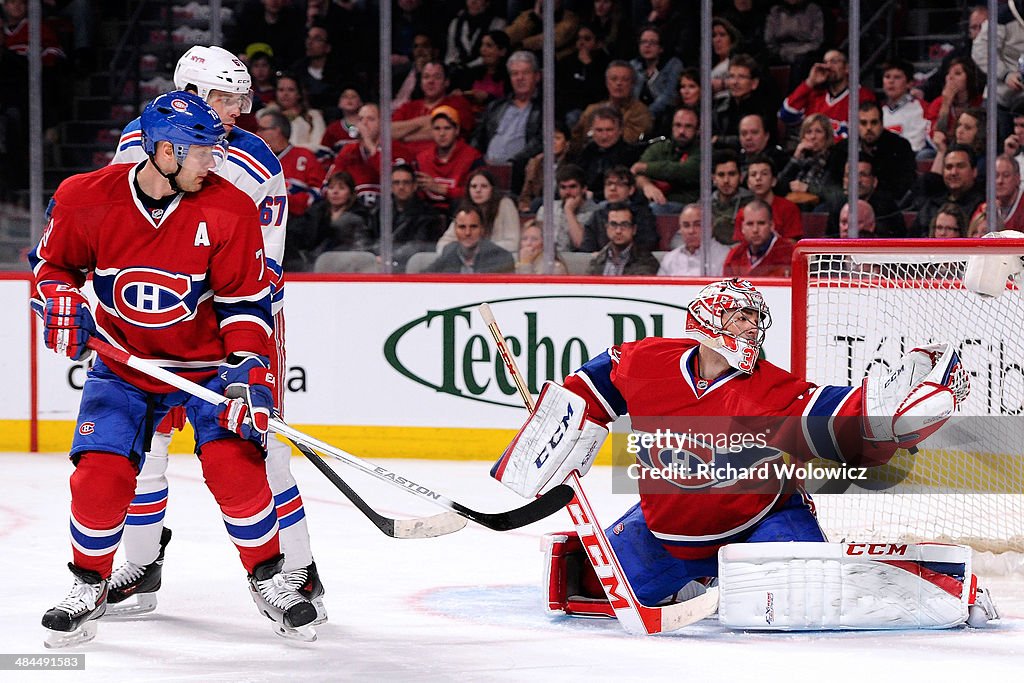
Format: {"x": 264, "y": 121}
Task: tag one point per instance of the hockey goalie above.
{"x": 707, "y": 521}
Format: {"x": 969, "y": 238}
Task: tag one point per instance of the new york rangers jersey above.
{"x": 657, "y": 382}
{"x": 254, "y": 169}
{"x": 189, "y": 290}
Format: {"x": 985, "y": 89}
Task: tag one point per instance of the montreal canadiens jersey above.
{"x": 656, "y": 382}
{"x": 255, "y": 170}
{"x": 188, "y": 290}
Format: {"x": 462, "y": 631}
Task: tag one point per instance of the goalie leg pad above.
{"x": 557, "y": 438}
{"x": 572, "y": 585}
{"x": 823, "y": 586}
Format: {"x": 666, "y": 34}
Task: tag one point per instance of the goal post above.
{"x": 858, "y": 306}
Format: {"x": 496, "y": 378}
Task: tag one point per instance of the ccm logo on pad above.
{"x": 875, "y": 549}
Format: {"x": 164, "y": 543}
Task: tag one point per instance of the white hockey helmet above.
{"x": 213, "y": 68}
{"x": 711, "y": 312}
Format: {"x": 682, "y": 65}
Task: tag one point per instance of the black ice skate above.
{"x": 282, "y": 603}
{"x": 131, "y": 579}
{"x": 73, "y": 620}
{"x": 306, "y": 580}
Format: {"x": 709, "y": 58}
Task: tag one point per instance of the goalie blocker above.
{"x": 804, "y": 586}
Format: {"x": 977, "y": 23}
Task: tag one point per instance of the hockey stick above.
{"x": 635, "y": 617}
{"x": 535, "y": 510}
{"x": 423, "y": 527}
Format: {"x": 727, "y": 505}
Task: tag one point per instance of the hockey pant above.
{"x": 114, "y": 422}
{"x": 146, "y": 513}
{"x": 655, "y": 574}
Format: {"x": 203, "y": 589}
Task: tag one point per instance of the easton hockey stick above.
{"x": 422, "y": 527}
{"x": 635, "y": 617}
{"x": 535, "y": 510}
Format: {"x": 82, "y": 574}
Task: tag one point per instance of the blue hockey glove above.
{"x": 67, "y": 319}
{"x": 250, "y": 385}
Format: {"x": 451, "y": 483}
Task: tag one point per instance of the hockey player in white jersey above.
{"x": 223, "y": 81}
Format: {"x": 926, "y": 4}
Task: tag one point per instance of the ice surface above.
{"x": 465, "y": 607}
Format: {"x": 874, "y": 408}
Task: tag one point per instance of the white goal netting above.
{"x": 856, "y": 313}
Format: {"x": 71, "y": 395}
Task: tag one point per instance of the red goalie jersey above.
{"x": 736, "y": 423}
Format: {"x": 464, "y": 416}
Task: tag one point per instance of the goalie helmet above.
{"x": 712, "y": 311}
{"x": 213, "y": 68}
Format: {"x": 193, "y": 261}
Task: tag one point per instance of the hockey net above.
{"x": 858, "y": 306}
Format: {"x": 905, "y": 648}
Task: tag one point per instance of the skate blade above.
{"x": 305, "y": 634}
{"x": 321, "y": 612}
{"x": 144, "y": 604}
{"x": 83, "y": 634}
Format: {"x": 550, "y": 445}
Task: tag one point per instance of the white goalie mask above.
{"x": 711, "y": 313}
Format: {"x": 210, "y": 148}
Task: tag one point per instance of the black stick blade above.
{"x": 534, "y": 511}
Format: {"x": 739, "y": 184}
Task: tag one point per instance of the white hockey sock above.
{"x": 291, "y": 515}
{"x": 145, "y": 522}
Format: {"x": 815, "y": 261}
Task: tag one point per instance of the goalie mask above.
{"x": 715, "y": 317}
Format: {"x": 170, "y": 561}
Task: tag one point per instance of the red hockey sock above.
{"x": 102, "y": 487}
{"x": 236, "y": 475}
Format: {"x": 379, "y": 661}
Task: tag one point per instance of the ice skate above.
{"x": 73, "y": 620}
{"x": 306, "y": 580}
{"x": 141, "y": 582}
{"x": 292, "y": 613}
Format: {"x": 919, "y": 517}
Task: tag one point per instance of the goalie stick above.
{"x": 635, "y": 617}
{"x": 535, "y": 510}
{"x": 421, "y": 527}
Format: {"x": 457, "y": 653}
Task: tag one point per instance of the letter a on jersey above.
{"x": 202, "y": 236}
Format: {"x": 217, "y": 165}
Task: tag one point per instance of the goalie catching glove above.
{"x": 557, "y": 439}
{"x": 917, "y": 397}
{"x": 67, "y": 319}
{"x": 249, "y": 383}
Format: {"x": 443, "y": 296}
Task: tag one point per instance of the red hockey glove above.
{"x": 67, "y": 319}
{"x": 249, "y": 383}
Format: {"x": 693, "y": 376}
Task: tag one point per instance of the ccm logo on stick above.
{"x": 875, "y": 549}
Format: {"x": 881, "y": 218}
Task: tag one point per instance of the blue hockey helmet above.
{"x": 183, "y": 119}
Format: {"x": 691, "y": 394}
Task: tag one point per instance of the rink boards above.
{"x": 401, "y": 367}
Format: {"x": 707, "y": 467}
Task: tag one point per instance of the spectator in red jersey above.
{"x": 444, "y": 167}
{"x": 785, "y": 214}
{"x": 362, "y": 160}
{"x": 763, "y": 252}
{"x": 963, "y": 90}
{"x": 825, "y": 91}
{"x": 1008, "y": 200}
{"x": 410, "y": 123}
{"x": 345, "y": 129}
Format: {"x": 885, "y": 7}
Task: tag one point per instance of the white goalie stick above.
{"x": 535, "y": 510}
{"x": 635, "y": 617}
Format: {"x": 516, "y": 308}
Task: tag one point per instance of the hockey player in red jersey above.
{"x": 179, "y": 273}
{"x": 689, "y": 400}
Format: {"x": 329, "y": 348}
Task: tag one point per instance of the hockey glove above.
{"x": 250, "y": 384}
{"x": 67, "y": 319}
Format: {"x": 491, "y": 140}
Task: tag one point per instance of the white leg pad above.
{"x": 821, "y": 586}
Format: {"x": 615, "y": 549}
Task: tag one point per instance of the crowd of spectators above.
{"x": 466, "y": 120}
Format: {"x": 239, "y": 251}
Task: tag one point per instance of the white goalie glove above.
{"x": 557, "y": 438}
{"x": 917, "y": 398}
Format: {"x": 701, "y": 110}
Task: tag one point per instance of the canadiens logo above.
{"x": 151, "y": 298}
{"x": 87, "y": 428}
{"x": 179, "y": 104}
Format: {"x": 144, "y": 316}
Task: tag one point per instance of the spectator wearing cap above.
{"x": 510, "y": 131}
{"x": 444, "y": 168}
{"x": 411, "y": 122}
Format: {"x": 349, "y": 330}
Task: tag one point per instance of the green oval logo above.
{"x": 452, "y": 352}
